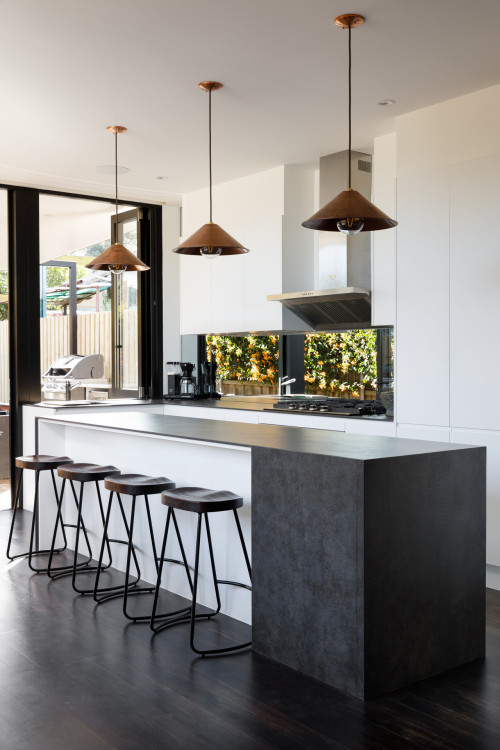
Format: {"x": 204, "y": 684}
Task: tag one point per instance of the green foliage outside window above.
{"x": 334, "y": 362}
{"x": 250, "y": 358}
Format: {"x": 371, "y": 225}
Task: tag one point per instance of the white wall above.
{"x": 447, "y": 271}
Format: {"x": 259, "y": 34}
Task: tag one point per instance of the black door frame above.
{"x": 24, "y": 301}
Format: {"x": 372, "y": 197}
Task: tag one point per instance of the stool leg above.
{"x": 143, "y": 589}
{"x": 243, "y": 545}
{"x": 101, "y": 509}
{"x": 63, "y": 570}
{"x": 151, "y": 532}
{"x": 12, "y": 523}
{"x": 195, "y": 584}
{"x": 228, "y": 649}
{"x": 56, "y": 526}
{"x": 34, "y": 525}
{"x": 172, "y": 617}
{"x": 111, "y": 592}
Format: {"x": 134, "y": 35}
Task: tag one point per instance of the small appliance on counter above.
{"x": 188, "y": 383}
{"x": 180, "y": 381}
{"x": 67, "y": 378}
{"x": 174, "y": 374}
{"x": 208, "y": 378}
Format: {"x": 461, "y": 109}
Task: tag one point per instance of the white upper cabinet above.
{"x": 264, "y": 213}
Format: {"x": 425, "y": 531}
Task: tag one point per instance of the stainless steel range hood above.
{"x": 341, "y": 299}
{"x": 330, "y": 309}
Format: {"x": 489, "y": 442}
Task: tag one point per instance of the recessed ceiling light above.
{"x": 386, "y": 102}
{"x": 110, "y": 169}
{"x": 161, "y": 177}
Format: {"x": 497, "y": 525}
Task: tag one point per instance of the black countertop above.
{"x": 294, "y": 439}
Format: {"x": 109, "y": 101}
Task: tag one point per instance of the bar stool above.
{"x": 83, "y": 473}
{"x": 36, "y": 463}
{"x": 134, "y": 485}
{"x": 201, "y": 501}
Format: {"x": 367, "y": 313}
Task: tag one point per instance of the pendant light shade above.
{"x": 349, "y": 212}
{"x": 210, "y": 241}
{"x": 117, "y": 258}
{"x": 350, "y": 207}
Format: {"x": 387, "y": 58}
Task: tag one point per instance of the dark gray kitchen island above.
{"x": 368, "y": 552}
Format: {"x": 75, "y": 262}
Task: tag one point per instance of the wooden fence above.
{"x": 93, "y": 337}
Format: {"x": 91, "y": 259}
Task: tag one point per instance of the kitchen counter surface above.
{"x": 293, "y": 439}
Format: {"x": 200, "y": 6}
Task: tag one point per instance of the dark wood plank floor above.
{"x": 74, "y": 677}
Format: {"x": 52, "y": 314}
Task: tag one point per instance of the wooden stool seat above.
{"x": 41, "y": 462}
{"x": 201, "y": 500}
{"x": 138, "y": 484}
{"x": 86, "y": 472}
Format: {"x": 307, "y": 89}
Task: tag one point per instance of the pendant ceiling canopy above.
{"x": 349, "y": 212}
{"x": 210, "y": 241}
{"x": 117, "y": 258}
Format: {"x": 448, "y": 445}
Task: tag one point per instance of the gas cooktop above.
{"x": 329, "y": 405}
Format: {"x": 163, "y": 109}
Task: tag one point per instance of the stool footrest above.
{"x": 35, "y": 553}
{"x": 116, "y": 591}
{"x": 235, "y": 583}
{"x": 173, "y": 618}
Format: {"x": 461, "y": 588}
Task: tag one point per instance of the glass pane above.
{"x": 5, "y": 499}
{"x": 73, "y": 231}
{"x": 126, "y": 319}
{"x": 246, "y": 365}
{"x": 341, "y": 364}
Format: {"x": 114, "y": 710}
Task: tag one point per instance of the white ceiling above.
{"x": 71, "y": 67}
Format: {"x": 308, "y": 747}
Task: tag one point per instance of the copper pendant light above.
{"x": 117, "y": 258}
{"x": 349, "y": 212}
{"x": 210, "y": 241}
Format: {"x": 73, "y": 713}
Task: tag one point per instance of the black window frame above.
{"x": 24, "y": 301}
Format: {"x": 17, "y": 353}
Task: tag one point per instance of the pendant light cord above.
{"x": 116, "y": 185}
{"x": 210, "y": 147}
{"x": 349, "y": 105}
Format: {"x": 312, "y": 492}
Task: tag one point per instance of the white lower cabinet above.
{"x": 370, "y": 427}
{"x": 423, "y": 432}
{"x": 302, "y": 420}
{"x": 203, "y": 412}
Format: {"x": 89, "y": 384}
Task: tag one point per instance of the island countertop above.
{"x": 292, "y": 439}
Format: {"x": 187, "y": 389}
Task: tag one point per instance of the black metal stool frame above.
{"x": 34, "y": 524}
{"x": 86, "y": 566}
{"x": 111, "y": 592}
{"x": 192, "y": 616}
{"x": 129, "y": 588}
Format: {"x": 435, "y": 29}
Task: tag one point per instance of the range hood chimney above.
{"x": 341, "y": 299}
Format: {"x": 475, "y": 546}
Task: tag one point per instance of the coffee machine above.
{"x": 180, "y": 381}
{"x": 187, "y": 381}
